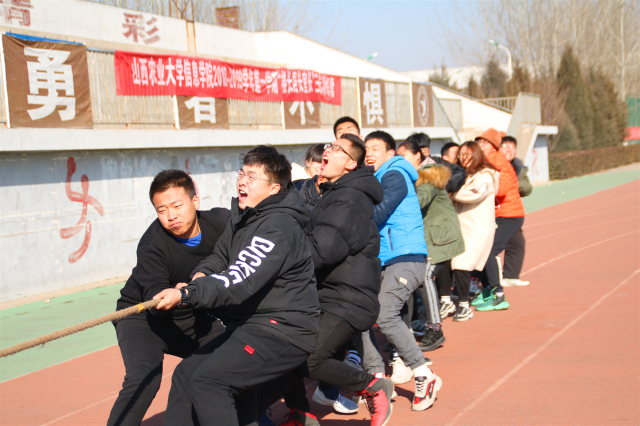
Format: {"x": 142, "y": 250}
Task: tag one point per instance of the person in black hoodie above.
{"x": 168, "y": 251}
{"x": 344, "y": 246}
{"x": 262, "y": 273}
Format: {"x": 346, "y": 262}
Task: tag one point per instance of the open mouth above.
{"x": 242, "y": 195}
{"x": 325, "y": 161}
{"x": 370, "y": 162}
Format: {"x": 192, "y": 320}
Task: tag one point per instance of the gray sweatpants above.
{"x": 398, "y": 282}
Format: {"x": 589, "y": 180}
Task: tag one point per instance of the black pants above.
{"x": 219, "y": 388}
{"x": 463, "y": 282}
{"x": 325, "y": 365}
{"x": 514, "y": 255}
{"x": 507, "y": 227}
{"x": 143, "y": 341}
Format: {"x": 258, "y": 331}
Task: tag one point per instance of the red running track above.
{"x": 565, "y": 352}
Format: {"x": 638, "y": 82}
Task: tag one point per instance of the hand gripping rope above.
{"x": 76, "y": 328}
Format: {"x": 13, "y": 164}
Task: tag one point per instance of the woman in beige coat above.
{"x": 475, "y": 205}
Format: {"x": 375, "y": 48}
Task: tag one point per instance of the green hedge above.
{"x": 564, "y": 165}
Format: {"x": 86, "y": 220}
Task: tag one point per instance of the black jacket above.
{"x": 164, "y": 262}
{"x": 262, "y": 273}
{"x": 345, "y": 244}
{"x": 458, "y": 175}
{"x": 307, "y": 188}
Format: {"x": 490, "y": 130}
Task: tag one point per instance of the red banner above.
{"x": 140, "y": 74}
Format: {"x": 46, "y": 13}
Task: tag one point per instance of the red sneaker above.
{"x": 300, "y": 418}
{"x": 378, "y": 395}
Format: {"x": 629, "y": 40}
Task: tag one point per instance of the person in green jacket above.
{"x": 442, "y": 235}
{"x": 514, "y": 252}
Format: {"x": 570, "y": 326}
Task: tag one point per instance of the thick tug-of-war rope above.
{"x": 76, "y": 328}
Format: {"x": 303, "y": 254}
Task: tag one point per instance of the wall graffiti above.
{"x": 85, "y": 199}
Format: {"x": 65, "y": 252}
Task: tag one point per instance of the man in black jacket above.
{"x": 168, "y": 251}
{"x": 344, "y": 246}
{"x": 262, "y": 273}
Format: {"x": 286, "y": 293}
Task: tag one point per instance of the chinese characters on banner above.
{"x": 47, "y": 84}
{"x": 422, "y": 105}
{"x": 373, "y": 104}
{"x": 16, "y": 11}
{"x": 139, "y": 74}
{"x": 202, "y": 113}
{"x": 137, "y": 28}
{"x": 302, "y": 115}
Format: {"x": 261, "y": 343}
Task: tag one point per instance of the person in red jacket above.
{"x": 509, "y": 219}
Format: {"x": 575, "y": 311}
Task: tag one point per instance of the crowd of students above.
{"x": 292, "y": 281}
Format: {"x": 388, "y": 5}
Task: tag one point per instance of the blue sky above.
{"x": 404, "y": 33}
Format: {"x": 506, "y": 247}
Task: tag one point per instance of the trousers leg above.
{"x": 463, "y": 282}
{"x": 514, "y": 255}
{"x": 398, "y": 282}
{"x": 445, "y": 281}
{"x": 429, "y": 296}
{"x": 367, "y": 346}
{"x": 249, "y": 357}
{"x": 507, "y": 226}
{"x": 143, "y": 353}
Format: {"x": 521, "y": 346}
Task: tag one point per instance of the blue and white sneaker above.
{"x": 333, "y": 398}
{"x": 265, "y": 420}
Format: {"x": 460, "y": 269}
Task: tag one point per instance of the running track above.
{"x": 566, "y": 352}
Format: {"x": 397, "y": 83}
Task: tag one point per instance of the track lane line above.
{"x": 577, "y": 250}
{"x": 528, "y": 359}
{"x": 580, "y": 216}
{"x": 582, "y": 227}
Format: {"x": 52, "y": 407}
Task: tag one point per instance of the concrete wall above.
{"x": 36, "y": 207}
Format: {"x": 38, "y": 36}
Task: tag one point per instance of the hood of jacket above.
{"x": 288, "y": 201}
{"x": 398, "y": 163}
{"x": 362, "y": 179}
{"x": 437, "y": 175}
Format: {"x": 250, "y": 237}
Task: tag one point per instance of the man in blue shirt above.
{"x": 402, "y": 253}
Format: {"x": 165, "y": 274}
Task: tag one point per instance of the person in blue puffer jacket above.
{"x": 402, "y": 253}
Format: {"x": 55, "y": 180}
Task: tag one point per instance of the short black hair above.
{"x": 445, "y": 149}
{"x": 413, "y": 147}
{"x": 345, "y": 119}
{"x": 510, "y": 139}
{"x": 276, "y": 166}
{"x": 357, "y": 149}
{"x": 314, "y": 153}
{"x": 172, "y": 179}
{"x": 384, "y": 137}
{"x": 421, "y": 139}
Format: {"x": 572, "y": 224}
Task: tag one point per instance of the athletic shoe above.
{"x": 264, "y": 420}
{"x": 300, "y": 418}
{"x": 431, "y": 340}
{"x": 362, "y": 400}
{"x": 463, "y": 314}
{"x": 418, "y": 328}
{"x": 514, "y": 282}
{"x": 425, "y": 392}
{"x": 495, "y": 303}
{"x": 447, "y": 308}
{"x": 333, "y": 398}
{"x": 480, "y": 299}
{"x": 401, "y": 373}
{"x": 378, "y": 396}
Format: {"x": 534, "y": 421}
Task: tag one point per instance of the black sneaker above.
{"x": 432, "y": 340}
{"x": 463, "y": 313}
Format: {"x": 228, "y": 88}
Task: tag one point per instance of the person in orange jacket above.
{"x": 509, "y": 219}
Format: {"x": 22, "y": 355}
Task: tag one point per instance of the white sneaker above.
{"x": 425, "y": 393}
{"x": 447, "y": 308}
{"x": 514, "y": 282}
{"x": 401, "y": 373}
{"x": 341, "y": 405}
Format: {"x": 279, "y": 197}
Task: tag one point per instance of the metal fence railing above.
{"x": 398, "y": 99}
{"x": 330, "y": 113}
{"x": 508, "y": 103}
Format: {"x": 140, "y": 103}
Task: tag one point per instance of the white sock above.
{"x": 380, "y": 375}
{"x": 423, "y": 371}
{"x": 464, "y": 304}
{"x": 445, "y": 299}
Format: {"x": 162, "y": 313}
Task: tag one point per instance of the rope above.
{"x": 76, "y": 328}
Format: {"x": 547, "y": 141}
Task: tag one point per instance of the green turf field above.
{"x": 36, "y": 319}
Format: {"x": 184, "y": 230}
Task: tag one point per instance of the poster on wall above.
{"x": 422, "y": 95}
{"x": 373, "y": 104}
{"x": 302, "y": 115}
{"x": 47, "y": 84}
{"x": 202, "y": 113}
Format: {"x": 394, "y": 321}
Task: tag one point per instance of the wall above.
{"x": 36, "y": 207}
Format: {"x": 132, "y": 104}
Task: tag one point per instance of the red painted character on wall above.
{"x": 85, "y": 199}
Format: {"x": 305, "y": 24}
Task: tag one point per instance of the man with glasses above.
{"x": 509, "y": 219}
{"x": 514, "y": 253}
{"x": 344, "y": 244}
{"x": 262, "y": 273}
